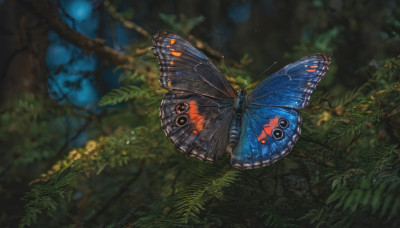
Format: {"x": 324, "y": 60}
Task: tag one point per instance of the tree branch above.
{"x": 130, "y": 25}
{"x": 46, "y": 10}
{"x": 205, "y": 47}
{"x": 120, "y": 192}
{"x": 127, "y": 24}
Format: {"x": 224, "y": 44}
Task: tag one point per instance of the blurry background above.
{"x": 58, "y": 58}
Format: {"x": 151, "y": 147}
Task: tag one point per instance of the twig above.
{"x": 117, "y": 195}
{"x": 131, "y": 25}
{"x": 66, "y": 14}
{"x": 353, "y": 140}
{"x": 130, "y": 216}
{"x": 322, "y": 107}
{"x": 319, "y": 162}
{"x": 339, "y": 110}
{"x": 66, "y": 144}
{"x": 127, "y": 24}
{"x": 205, "y": 47}
{"x": 393, "y": 62}
{"x": 327, "y": 100}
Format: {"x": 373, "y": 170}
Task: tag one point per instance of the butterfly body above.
{"x": 238, "y": 108}
{"x": 204, "y": 117}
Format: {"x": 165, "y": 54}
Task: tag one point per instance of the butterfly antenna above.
{"x": 265, "y": 71}
{"x": 223, "y": 58}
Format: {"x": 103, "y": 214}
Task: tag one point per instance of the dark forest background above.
{"x": 80, "y": 137}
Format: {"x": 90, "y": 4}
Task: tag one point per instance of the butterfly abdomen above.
{"x": 234, "y": 130}
{"x": 234, "y": 133}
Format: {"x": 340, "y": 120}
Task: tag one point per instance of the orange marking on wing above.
{"x": 175, "y": 53}
{"x": 169, "y": 83}
{"x": 313, "y": 70}
{"x": 195, "y": 117}
{"x": 171, "y": 62}
{"x": 195, "y": 132}
{"x": 267, "y": 129}
{"x": 172, "y": 41}
{"x": 314, "y": 66}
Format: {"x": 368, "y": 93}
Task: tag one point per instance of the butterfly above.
{"x": 205, "y": 117}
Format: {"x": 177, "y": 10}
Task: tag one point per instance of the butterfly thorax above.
{"x": 234, "y": 130}
{"x": 238, "y": 105}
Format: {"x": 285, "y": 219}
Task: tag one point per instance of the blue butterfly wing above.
{"x": 271, "y": 123}
{"x": 292, "y": 86}
{"x": 257, "y": 145}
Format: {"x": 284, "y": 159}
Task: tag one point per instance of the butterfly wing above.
{"x": 185, "y": 68}
{"x": 196, "y": 124}
{"x": 196, "y": 113}
{"x": 292, "y": 86}
{"x": 267, "y": 134}
{"x": 271, "y": 123}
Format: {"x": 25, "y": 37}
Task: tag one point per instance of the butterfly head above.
{"x": 242, "y": 92}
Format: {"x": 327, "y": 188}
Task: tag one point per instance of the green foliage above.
{"x": 194, "y": 197}
{"x": 317, "y": 43}
{"x": 274, "y": 219}
{"x": 122, "y": 94}
{"x": 189, "y": 203}
{"x": 46, "y": 196}
{"x": 343, "y": 172}
{"x": 351, "y": 158}
{"x": 185, "y": 25}
{"x": 26, "y": 124}
{"x": 134, "y": 88}
{"x": 378, "y": 194}
{"x": 391, "y": 27}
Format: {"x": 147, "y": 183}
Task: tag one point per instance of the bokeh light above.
{"x": 79, "y": 10}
